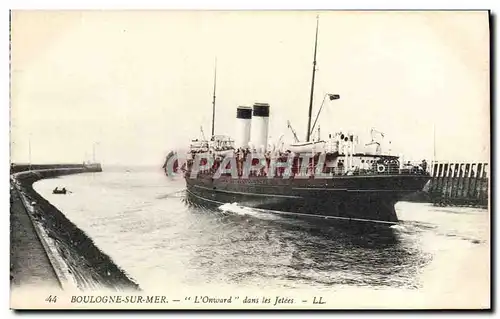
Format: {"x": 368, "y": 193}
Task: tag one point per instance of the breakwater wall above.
{"x": 16, "y": 168}
{"x": 76, "y": 260}
{"x": 460, "y": 184}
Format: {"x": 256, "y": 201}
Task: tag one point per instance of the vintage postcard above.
{"x": 250, "y": 159}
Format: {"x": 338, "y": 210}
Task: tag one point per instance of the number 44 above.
{"x": 51, "y": 298}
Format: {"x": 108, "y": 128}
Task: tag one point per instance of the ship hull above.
{"x": 351, "y": 198}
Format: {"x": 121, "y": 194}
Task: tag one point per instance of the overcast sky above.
{"x": 140, "y": 83}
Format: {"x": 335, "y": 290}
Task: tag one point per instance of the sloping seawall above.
{"x": 75, "y": 259}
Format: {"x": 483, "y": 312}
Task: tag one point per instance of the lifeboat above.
{"x": 224, "y": 153}
{"x": 307, "y": 147}
{"x": 199, "y": 146}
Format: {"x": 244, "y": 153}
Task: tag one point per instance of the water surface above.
{"x": 140, "y": 219}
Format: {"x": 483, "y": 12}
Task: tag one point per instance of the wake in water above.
{"x": 176, "y": 194}
{"x": 237, "y": 209}
{"x": 399, "y": 228}
{"x": 376, "y": 234}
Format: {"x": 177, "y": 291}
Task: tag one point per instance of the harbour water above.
{"x": 140, "y": 219}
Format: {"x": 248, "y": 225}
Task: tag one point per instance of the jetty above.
{"x": 459, "y": 183}
{"x": 456, "y": 184}
{"x": 58, "y": 169}
{"x": 47, "y": 249}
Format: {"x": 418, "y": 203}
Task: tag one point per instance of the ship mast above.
{"x": 312, "y": 83}
{"x": 213, "y": 100}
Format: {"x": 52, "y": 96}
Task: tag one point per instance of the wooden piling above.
{"x": 480, "y": 174}
{"x": 453, "y": 169}
{"x": 434, "y": 176}
{"x": 483, "y": 197}
{"x": 473, "y": 182}
{"x": 466, "y": 180}
{"x": 440, "y": 178}
{"x": 446, "y": 180}
{"x": 460, "y": 184}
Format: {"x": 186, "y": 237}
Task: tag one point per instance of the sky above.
{"x": 133, "y": 85}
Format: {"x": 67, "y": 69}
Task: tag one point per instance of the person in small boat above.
{"x": 59, "y": 191}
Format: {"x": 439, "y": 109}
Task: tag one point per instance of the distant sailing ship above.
{"x": 335, "y": 178}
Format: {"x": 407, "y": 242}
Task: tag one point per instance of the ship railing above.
{"x": 340, "y": 171}
{"x": 410, "y": 168}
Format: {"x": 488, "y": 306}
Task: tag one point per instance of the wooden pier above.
{"x": 459, "y": 184}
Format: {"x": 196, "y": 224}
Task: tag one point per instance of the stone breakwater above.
{"x": 74, "y": 257}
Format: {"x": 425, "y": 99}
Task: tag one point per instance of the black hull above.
{"x": 351, "y": 198}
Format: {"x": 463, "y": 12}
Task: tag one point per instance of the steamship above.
{"x": 333, "y": 178}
